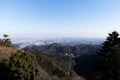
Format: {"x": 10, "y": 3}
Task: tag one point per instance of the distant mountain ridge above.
{"x": 83, "y": 56}
{"x": 24, "y": 42}
{"x": 58, "y": 59}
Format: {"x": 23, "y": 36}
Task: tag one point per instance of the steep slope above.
{"x": 56, "y": 66}
{"x": 6, "y": 52}
{"x": 54, "y": 56}
{"x": 52, "y": 66}
{"x": 56, "y": 69}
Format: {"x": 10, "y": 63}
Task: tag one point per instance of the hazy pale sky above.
{"x": 79, "y": 18}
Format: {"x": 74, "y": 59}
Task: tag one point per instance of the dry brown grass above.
{"x": 78, "y": 78}
{"x": 6, "y": 52}
{"x": 43, "y": 74}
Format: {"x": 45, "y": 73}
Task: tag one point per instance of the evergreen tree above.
{"x": 5, "y": 36}
{"x": 7, "y": 41}
{"x": 109, "y": 66}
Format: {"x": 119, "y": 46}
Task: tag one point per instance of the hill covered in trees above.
{"x": 80, "y": 59}
{"x": 61, "y": 62}
{"x": 57, "y": 48}
{"x": 16, "y": 64}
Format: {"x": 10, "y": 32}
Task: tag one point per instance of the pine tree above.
{"x": 7, "y": 41}
{"x": 109, "y": 66}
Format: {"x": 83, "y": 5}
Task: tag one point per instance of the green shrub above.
{"x": 21, "y": 66}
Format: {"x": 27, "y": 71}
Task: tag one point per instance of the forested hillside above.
{"x": 16, "y": 64}
{"x": 75, "y": 60}
{"x": 57, "y": 48}
{"x": 61, "y": 62}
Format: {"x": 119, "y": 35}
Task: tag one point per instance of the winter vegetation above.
{"x": 61, "y": 62}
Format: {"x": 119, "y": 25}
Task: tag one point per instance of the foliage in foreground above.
{"x": 20, "y": 66}
{"x": 109, "y": 66}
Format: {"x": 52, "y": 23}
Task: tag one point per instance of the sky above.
{"x": 59, "y": 18}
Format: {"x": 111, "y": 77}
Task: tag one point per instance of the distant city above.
{"x": 24, "y": 42}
